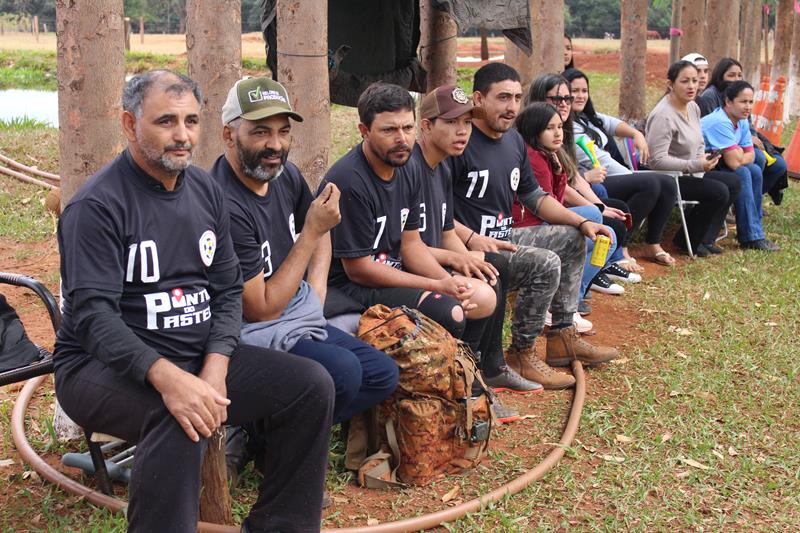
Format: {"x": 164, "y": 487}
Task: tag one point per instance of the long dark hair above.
{"x": 675, "y": 69}
{"x": 538, "y": 93}
{"x": 571, "y": 63}
{"x": 531, "y": 122}
{"x": 588, "y": 115}
{"x": 718, "y": 74}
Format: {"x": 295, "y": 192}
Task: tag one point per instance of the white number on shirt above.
{"x": 148, "y": 262}
{"x": 382, "y": 222}
{"x": 423, "y": 219}
{"x": 266, "y": 254}
{"x": 473, "y": 177}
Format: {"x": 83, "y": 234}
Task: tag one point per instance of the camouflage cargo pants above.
{"x": 545, "y": 271}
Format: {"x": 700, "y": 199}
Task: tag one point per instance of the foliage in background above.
{"x": 593, "y": 18}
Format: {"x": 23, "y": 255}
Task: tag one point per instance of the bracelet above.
{"x": 585, "y": 220}
{"x": 468, "y": 238}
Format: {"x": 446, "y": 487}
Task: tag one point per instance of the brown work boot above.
{"x": 565, "y": 345}
{"x": 526, "y": 364}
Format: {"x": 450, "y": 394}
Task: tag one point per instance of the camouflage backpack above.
{"x": 432, "y": 424}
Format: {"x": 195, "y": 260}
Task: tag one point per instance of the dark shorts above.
{"x": 390, "y": 297}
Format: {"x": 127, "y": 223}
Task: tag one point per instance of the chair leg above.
{"x": 99, "y": 464}
{"x": 683, "y": 219}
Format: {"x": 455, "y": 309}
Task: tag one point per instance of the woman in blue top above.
{"x": 727, "y": 129}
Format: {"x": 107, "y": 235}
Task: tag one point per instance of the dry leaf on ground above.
{"x": 612, "y": 458}
{"x": 695, "y": 464}
{"x": 624, "y": 439}
{"x": 6, "y": 462}
{"x": 452, "y": 493}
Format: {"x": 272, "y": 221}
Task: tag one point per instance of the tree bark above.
{"x": 750, "y": 55}
{"x": 792, "y": 107}
{"x": 215, "y": 498}
{"x": 782, "y": 49}
{"x": 675, "y": 39}
{"x": 484, "y": 44}
{"x": 303, "y": 70}
{"x": 91, "y": 73}
{"x": 215, "y": 63}
{"x": 438, "y": 46}
{"x": 722, "y": 35}
{"x": 693, "y": 18}
{"x": 547, "y": 31}
{"x": 633, "y": 34}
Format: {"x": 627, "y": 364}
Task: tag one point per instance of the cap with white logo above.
{"x": 695, "y": 58}
{"x": 448, "y": 101}
{"x": 257, "y": 98}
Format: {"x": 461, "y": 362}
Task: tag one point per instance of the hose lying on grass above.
{"x": 30, "y": 170}
{"x": 411, "y": 524}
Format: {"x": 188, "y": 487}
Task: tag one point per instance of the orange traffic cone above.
{"x": 760, "y": 103}
{"x": 773, "y": 114}
{"x": 792, "y": 155}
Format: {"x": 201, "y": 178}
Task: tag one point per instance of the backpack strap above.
{"x": 376, "y": 468}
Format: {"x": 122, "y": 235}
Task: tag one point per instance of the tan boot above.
{"x": 526, "y": 364}
{"x": 565, "y": 345}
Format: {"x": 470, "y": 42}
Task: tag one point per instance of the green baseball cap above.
{"x": 257, "y": 98}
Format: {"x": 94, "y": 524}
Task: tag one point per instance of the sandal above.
{"x": 662, "y": 258}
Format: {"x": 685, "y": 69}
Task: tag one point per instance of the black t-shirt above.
{"x": 436, "y": 198}
{"x": 374, "y": 213}
{"x": 486, "y": 177}
{"x": 264, "y": 228}
{"x": 122, "y": 233}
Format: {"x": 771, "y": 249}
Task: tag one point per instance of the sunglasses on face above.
{"x": 558, "y": 100}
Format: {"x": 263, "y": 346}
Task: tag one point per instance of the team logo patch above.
{"x": 403, "y": 218}
{"x": 208, "y": 245}
{"x": 514, "y": 179}
{"x": 460, "y": 96}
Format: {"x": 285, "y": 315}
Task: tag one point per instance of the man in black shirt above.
{"x": 446, "y": 116}
{"x": 546, "y": 261}
{"x": 378, "y": 254}
{"x": 148, "y": 345}
{"x": 281, "y": 233}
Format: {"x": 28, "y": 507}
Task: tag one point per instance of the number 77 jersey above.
{"x": 485, "y": 179}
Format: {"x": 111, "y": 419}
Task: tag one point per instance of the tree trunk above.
{"x": 303, "y": 70}
{"x": 633, "y": 34}
{"x": 751, "y": 41}
{"x": 782, "y": 49}
{"x": 214, "y": 50}
{"x": 438, "y": 46}
{"x": 91, "y": 73}
{"x": 792, "y": 107}
{"x": 723, "y": 32}
{"x": 547, "y": 31}
{"x": 141, "y": 30}
{"x": 693, "y": 18}
{"x": 215, "y": 498}
{"x": 127, "y": 33}
{"x": 674, "y": 36}
{"x": 484, "y": 44}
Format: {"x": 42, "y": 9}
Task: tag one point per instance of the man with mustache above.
{"x": 281, "y": 236}
{"x": 148, "y": 348}
{"x": 379, "y": 257}
{"x": 546, "y": 262}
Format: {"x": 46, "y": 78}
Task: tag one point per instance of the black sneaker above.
{"x": 602, "y": 283}
{"x": 509, "y": 381}
{"x": 761, "y": 244}
{"x": 617, "y": 273}
{"x": 713, "y": 248}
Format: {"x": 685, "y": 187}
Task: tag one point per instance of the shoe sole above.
{"x": 623, "y": 280}
{"x": 510, "y": 419}
{"x": 561, "y": 363}
{"x": 606, "y": 291}
{"x": 516, "y": 391}
{"x": 559, "y": 387}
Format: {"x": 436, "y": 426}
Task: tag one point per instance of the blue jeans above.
{"x": 362, "y": 375}
{"x": 771, "y": 173}
{"x": 589, "y": 270}
{"x": 748, "y": 203}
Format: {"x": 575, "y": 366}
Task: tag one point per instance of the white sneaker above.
{"x": 617, "y": 273}
{"x": 602, "y": 283}
{"x": 581, "y": 324}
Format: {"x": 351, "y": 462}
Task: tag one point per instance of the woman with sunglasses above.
{"x": 650, "y": 196}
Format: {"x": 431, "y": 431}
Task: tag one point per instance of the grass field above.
{"x": 695, "y": 429}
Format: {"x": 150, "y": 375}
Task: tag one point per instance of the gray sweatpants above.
{"x": 545, "y": 271}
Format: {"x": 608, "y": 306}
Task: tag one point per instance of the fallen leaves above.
{"x": 612, "y": 458}
{"x": 452, "y": 493}
{"x": 6, "y": 462}
{"x": 665, "y": 437}
{"x": 623, "y": 439}
{"x": 694, "y": 464}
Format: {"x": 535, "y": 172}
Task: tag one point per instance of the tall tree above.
{"x": 91, "y": 73}
{"x": 675, "y": 29}
{"x": 303, "y": 69}
{"x": 438, "y": 45}
{"x": 633, "y": 33}
{"x": 547, "y": 31}
{"x": 750, "y": 49}
{"x": 792, "y": 108}
{"x": 214, "y": 50}
{"x": 693, "y": 20}
{"x": 782, "y": 48}
{"x": 723, "y": 35}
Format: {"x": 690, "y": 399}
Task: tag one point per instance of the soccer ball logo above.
{"x": 514, "y": 178}
{"x": 208, "y": 245}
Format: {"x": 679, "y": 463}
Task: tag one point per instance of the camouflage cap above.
{"x": 448, "y": 101}
{"x": 257, "y": 98}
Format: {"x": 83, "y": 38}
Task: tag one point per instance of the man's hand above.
{"x": 757, "y": 142}
{"x": 593, "y": 229}
{"x": 192, "y": 401}
{"x": 323, "y": 213}
{"x": 472, "y": 267}
{"x": 595, "y": 175}
{"x": 480, "y": 243}
{"x": 459, "y": 288}
{"x": 215, "y": 372}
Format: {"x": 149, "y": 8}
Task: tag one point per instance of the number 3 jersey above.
{"x": 156, "y": 250}
{"x": 375, "y": 212}
{"x": 485, "y": 179}
{"x": 436, "y": 198}
{"x": 264, "y": 228}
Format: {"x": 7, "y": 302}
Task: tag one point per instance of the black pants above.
{"x": 491, "y": 344}
{"x": 715, "y": 192}
{"x": 649, "y": 196}
{"x": 615, "y": 224}
{"x": 293, "y": 396}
